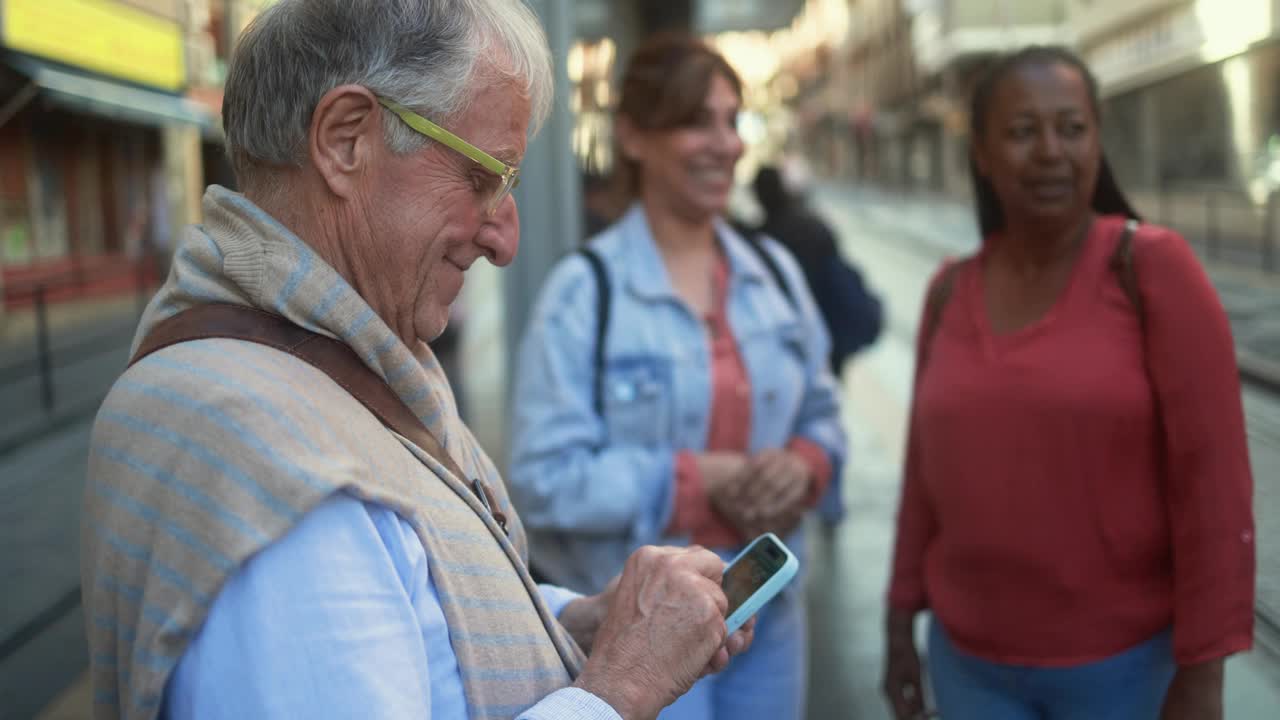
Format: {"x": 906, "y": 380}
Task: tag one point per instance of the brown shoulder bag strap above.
{"x": 333, "y": 358}
{"x": 935, "y": 304}
{"x": 1126, "y": 273}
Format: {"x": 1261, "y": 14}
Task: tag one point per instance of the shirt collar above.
{"x": 646, "y": 274}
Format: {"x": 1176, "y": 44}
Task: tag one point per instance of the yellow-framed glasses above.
{"x": 509, "y": 176}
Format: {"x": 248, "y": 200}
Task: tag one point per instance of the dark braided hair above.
{"x": 1108, "y": 199}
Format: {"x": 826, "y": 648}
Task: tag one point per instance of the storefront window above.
{"x": 1262, "y": 152}
{"x": 15, "y": 232}
{"x": 48, "y": 190}
{"x": 1123, "y": 141}
{"x": 1195, "y": 137}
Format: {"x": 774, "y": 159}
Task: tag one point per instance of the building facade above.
{"x": 954, "y": 42}
{"x": 99, "y": 148}
{"x": 888, "y": 105}
{"x": 884, "y": 81}
{"x": 1191, "y": 108}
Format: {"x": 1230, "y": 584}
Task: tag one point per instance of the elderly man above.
{"x": 266, "y": 535}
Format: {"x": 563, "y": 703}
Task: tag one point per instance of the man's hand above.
{"x": 1196, "y": 693}
{"x": 582, "y": 617}
{"x": 664, "y": 630}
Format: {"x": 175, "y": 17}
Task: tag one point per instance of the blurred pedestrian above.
{"x": 1076, "y": 503}
{"x": 852, "y": 313}
{"x": 285, "y": 516}
{"x": 673, "y": 383}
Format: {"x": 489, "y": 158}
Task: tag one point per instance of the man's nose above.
{"x": 499, "y": 237}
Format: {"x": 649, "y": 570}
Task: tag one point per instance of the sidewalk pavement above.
{"x": 42, "y": 645}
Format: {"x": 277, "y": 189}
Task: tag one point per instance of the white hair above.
{"x": 424, "y": 54}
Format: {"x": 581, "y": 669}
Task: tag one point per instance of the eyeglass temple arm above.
{"x": 439, "y": 134}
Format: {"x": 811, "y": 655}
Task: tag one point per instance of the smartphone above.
{"x": 755, "y": 576}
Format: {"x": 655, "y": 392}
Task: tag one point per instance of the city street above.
{"x": 898, "y": 243}
{"x": 42, "y": 646}
{"x": 117, "y": 116}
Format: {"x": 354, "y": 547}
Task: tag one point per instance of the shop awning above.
{"x": 99, "y": 96}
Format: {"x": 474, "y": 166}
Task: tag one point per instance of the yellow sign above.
{"x": 106, "y": 37}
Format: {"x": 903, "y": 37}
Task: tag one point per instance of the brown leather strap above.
{"x": 935, "y": 304}
{"x": 333, "y": 358}
{"x": 1126, "y": 272}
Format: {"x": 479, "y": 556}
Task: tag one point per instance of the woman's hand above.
{"x": 903, "y": 679}
{"x": 764, "y": 493}
{"x": 722, "y": 473}
{"x": 1196, "y": 693}
{"x": 773, "y": 497}
{"x": 723, "y": 476}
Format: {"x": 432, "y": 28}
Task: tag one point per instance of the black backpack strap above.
{"x": 1122, "y": 265}
{"x": 604, "y": 297}
{"x": 756, "y": 243}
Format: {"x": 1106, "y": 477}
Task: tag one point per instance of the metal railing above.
{"x": 1229, "y": 226}
{"x": 49, "y": 356}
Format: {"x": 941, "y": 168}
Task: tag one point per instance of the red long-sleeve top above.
{"x": 1076, "y": 486}
{"x": 729, "y": 430}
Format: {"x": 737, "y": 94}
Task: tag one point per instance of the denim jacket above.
{"x": 591, "y": 489}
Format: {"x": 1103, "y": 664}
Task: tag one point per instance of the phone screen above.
{"x": 751, "y": 571}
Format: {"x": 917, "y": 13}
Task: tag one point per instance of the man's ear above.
{"x": 345, "y": 135}
{"x": 630, "y": 138}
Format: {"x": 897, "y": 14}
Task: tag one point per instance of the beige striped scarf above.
{"x": 206, "y": 452}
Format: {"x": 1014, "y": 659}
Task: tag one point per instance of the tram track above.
{"x": 1262, "y": 387}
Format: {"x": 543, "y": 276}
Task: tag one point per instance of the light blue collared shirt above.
{"x": 338, "y": 619}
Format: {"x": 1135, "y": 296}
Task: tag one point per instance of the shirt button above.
{"x": 1246, "y": 537}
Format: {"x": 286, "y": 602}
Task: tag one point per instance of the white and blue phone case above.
{"x": 777, "y": 554}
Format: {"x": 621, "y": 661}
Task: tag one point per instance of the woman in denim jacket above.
{"x": 716, "y": 416}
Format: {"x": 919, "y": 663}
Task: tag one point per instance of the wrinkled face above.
{"x": 690, "y": 169}
{"x": 426, "y": 212}
{"x": 1040, "y": 148}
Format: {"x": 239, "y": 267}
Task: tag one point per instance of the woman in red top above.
{"x": 1076, "y": 508}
